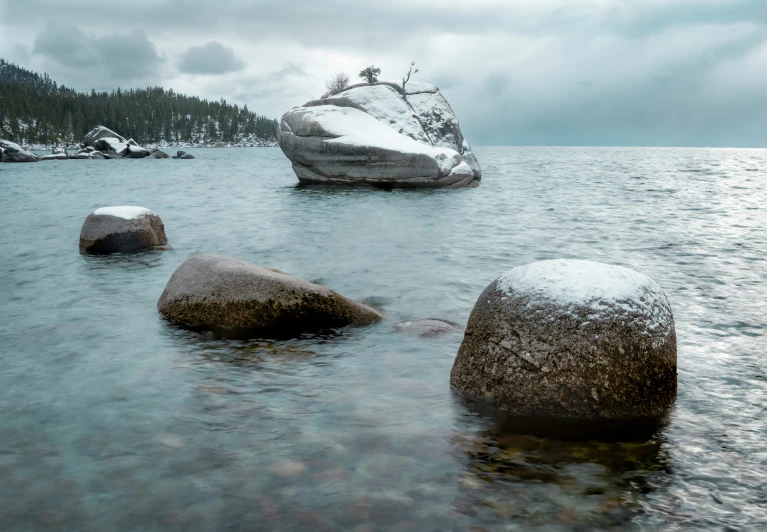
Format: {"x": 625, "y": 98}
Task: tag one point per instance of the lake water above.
{"x": 112, "y": 419}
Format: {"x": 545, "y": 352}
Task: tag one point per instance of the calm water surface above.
{"x": 112, "y": 419}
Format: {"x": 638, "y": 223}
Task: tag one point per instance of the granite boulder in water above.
{"x": 100, "y": 132}
{"x": 219, "y": 293}
{"x": 121, "y": 230}
{"x": 10, "y": 152}
{"x": 379, "y": 135}
{"x": 571, "y": 339}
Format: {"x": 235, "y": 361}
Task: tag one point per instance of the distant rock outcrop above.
{"x": 158, "y": 154}
{"x": 379, "y": 135}
{"x": 121, "y": 230}
{"x": 113, "y": 146}
{"x": 100, "y": 132}
{"x": 11, "y": 152}
{"x": 230, "y": 295}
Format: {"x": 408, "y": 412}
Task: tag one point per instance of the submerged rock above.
{"x": 226, "y": 294}
{"x": 121, "y": 230}
{"x": 570, "y": 339}
{"x": 379, "y": 135}
{"x": 10, "y": 152}
{"x": 425, "y": 328}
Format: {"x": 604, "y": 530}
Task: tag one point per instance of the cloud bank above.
{"x": 604, "y": 72}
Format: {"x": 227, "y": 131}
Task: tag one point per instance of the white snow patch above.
{"x": 578, "y": 282}
{"x": 607, "y": 291}
{"x": 126, "y": 212}
{"x": 387, "y": 106}
{"x": 356, "y": 128}
{"x": 414, "y": 87}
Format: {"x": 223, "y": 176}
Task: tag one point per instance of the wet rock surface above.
{"x": 121, "y": 230}
{"x": 570, "y": 339}
{"x": 225, "y": 294}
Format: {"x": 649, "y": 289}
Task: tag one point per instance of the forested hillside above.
{"x": 35, "y": 110}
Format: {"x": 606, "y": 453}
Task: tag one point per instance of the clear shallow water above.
{"x": 111, "y": 419}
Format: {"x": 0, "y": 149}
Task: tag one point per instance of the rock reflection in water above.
{"x": 559, "y": 473}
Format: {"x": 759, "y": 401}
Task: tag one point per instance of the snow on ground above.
{"x": 126, "y": 212}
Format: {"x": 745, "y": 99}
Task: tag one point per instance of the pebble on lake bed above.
{"x": 221, "y": 293}
{"x": 570, "y": 339}
{"x": 121, "y": 230}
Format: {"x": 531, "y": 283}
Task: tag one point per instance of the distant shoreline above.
{"x": 76, "y": 146}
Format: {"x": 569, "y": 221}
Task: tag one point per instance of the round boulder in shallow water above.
{"x": 121, "y": 230}
{"x": 224, "y": 294}
{"x": 570, "y": 339}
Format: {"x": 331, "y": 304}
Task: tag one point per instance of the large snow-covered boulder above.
{"x": 219, "y": 293}
{"x": 100, "y": 132}
{"x": 10, "y": 152}
{"x": 379, "y": 135}
{"x": 570, "y": 339}
{"x": 121, "y": 230}
{"x": 112, "y": 146}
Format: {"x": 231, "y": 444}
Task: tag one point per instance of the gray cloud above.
{"x": 121, "y": 57}
{"x": 680, "y": 72}
{"x": 210, "y": 58}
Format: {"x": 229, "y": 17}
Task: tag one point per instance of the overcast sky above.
{"x": 551, "y": 72}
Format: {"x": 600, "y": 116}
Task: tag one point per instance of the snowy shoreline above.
{"x": 76, "y": 145}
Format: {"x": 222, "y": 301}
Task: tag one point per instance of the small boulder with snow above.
{"x": 121, "y": 230}
{"x": 56, "y": 155}
{"x": 158, "y": 154}
{"x": 570, "y": 339}
{"x": 379, "y": 135}
{"x": 137, "y": 152}
{"x": 10, "y": 152}
{"x": 219, "y": 293}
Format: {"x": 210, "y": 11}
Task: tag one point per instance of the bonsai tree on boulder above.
{"x": 370, "y": 74}
{"x": 336, "y": 83}
{"x": 406, "y": 77}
